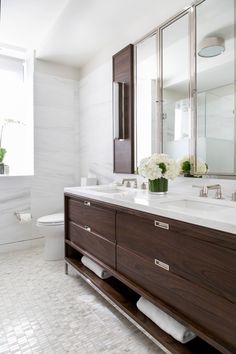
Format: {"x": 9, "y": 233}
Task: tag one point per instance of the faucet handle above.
{"x": 214, "y": 186}
{"x": 219, "y": 193}
{"x": 127, "y": 181}
{"x": 203, "y": 190}
{"x": 217, "y": 187}
{"x": 234, "y": 196}
{"x": 143, "y": 186}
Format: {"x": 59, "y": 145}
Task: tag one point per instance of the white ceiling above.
{"x": 72, "y": 32}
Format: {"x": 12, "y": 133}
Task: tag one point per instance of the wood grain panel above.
{"x": 93, "y": 244}
{"x": 123, "y": 150}
{"x": 101, "y": 220}
{"x": 202, "y": 261}
{"x": 206, "y": 309}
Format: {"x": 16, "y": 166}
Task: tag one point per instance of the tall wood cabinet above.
{"x": 123, "y": 72}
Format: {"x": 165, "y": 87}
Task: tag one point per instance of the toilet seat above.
{"x": 51, "y": 220}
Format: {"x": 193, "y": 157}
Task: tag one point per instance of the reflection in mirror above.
{"x": 146, "y": 96}
{"x": 215, "y": 85}
{"x": 175, "y": 88}
{"x": 119, "y": 110}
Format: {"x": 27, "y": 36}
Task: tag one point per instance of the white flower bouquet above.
{"x": 158, "y": 168}
{"x": 186, "y": 167}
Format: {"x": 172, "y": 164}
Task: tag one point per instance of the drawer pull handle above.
{"x": 87, "y": 228}
{"x": 162, "y": 225}
{"x": 87, "y": 203}
{"x": 162, "y": 264}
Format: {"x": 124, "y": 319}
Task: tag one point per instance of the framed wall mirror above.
{"x": 147, "y": 130}
{"x": 185, "y": 88}
{"x": 175, "y": 87}
{"x": 215, "y": 83}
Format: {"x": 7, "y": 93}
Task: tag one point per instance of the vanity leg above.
{"x": 66, "y": 268}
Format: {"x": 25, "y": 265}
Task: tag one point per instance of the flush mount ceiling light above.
{"x": 211, "y": 47}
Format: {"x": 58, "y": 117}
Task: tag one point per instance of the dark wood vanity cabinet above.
{"x": 99, "y": 219}
{"x": 189, "y": 267}
{"x": 202, "y": 256}
{"x": 91, "y": 228}
{"x": 187, "y": 270}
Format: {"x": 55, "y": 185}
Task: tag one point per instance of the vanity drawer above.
{"x": 209, "y": 311}
{"x": 99, "y": 219}
{"x": 94, "y": 244}
{"x": 189, "y": 251}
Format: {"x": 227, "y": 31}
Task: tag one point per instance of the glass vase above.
{"x": 192, "y": 176}
{"x": 158, "y": 186}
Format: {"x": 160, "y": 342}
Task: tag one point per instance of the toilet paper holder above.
{"x": 23, "y": 216}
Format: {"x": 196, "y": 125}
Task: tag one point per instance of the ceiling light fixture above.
{"x": 211, "y": 47}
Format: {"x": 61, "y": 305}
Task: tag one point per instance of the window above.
{"x": 16, "y": 113}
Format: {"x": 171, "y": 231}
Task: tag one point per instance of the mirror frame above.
{"x": 158, "y": 31}
{"x": 161, "y": 72}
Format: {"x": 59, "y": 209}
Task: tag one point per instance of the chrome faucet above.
{"x": 217, "y": 188}
{"x": 203, "y": 190}
{"x": 130, "y": 182}
{"x": 233, "y": 196}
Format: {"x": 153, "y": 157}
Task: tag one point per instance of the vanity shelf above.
{"x": 196, "y": 286}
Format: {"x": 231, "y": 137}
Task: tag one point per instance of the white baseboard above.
{"x": 22, "y": 245}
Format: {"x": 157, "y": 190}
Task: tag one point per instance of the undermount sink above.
{"x": 186, "y": 204}
{"x": 107, "y": 190}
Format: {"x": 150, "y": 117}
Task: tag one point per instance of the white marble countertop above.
{"x": 208, "y": 212}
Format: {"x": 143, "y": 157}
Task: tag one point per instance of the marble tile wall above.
{"x": 56, "y": 161}
{"x": 56, "y": 143}
{"x": 15, "y": 195}
{"x": 95, "y": 122}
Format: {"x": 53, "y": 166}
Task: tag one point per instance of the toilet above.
{"x": 51, "y": 227}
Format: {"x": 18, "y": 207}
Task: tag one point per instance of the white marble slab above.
{"x": 56, "y": 143}
{"x": 95, "y": 122}
{"x": 212, "y": 213}
{"x": 15, "y": 195}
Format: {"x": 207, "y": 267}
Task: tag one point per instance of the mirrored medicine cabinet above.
{"x": 185, "y": 88}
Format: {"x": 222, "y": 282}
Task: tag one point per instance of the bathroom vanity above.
{"x": 166, "y": 249}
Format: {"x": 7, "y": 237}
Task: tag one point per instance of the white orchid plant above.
{"x": 158, "y": 166}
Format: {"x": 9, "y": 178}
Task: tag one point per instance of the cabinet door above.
{"x": 99, "y": 219}
{"x": 203, "y": 256}
{"x": 124, "y": 148}
{"x": 213, "y": 314}
{"x": 93, "y": 244}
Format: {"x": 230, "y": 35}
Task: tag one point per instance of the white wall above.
{"x": 15, "y": 194}
{"x": 95, "y": 122}
{"x": 56, "y": 156}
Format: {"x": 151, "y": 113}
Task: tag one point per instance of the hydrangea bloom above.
{"x": 157, "y": 166}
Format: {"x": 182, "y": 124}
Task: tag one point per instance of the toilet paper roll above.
{"x": 23, "y": 218}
